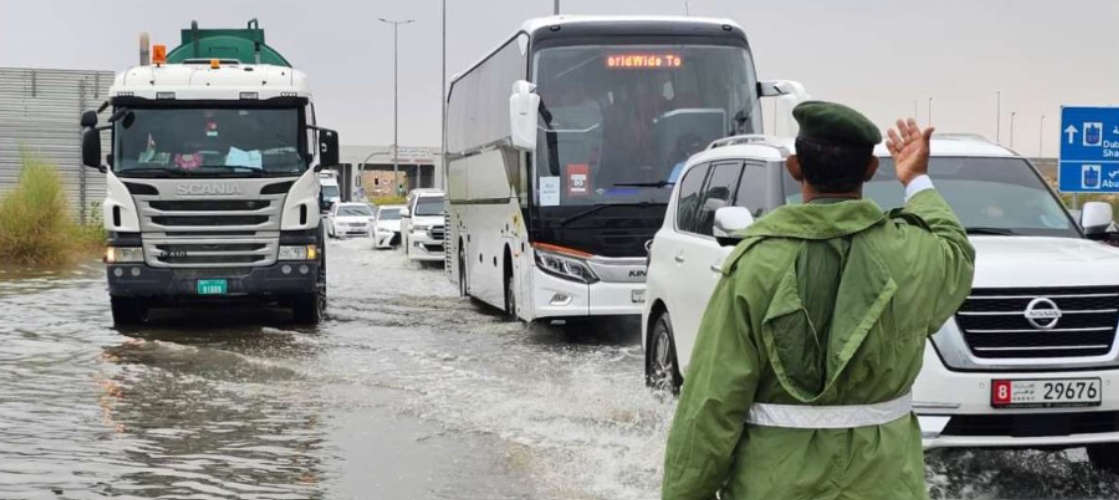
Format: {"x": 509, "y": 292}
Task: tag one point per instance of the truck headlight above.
{"x": 299, "y": 252}
{"x": 120, "y": 255}
{"x": 564, "y": 263}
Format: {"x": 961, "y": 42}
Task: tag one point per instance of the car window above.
{"x": 689, "y": 197}
{"x": 718, "y": 193}
{"x": 752, "y": 188}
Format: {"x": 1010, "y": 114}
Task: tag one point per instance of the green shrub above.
{"x": 387, "y": 200}
{"x": 36, "y": 227}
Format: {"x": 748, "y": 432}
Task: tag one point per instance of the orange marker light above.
{"x": 159, "y": 55}
{"x": 215, "y": 64}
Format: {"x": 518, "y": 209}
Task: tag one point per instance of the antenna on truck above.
{"x": 253, "y": 24}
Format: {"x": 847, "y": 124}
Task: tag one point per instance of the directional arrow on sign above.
{"x": 1071, "y": 131}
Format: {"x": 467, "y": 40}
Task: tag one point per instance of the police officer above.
{"x": 799, "y": 383}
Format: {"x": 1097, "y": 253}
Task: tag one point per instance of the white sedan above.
{"x": 349, "y": 219}
{"x": 386, "y": 226}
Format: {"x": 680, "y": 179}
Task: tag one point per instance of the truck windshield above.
{"x": 164, "y": 142}
{"x": 617, "y": 121}
{"x": 429, "y": 205}
{"x": 991, "y": 196}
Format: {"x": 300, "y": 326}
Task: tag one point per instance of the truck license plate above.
{"x": 1046, "y": 393}
{"x": 213, "y": 287}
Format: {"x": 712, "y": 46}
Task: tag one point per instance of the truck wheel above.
{"x": 662, "y": 370}
{"x": 1105, "y": 456}
{"x": 128, "y": 310}
{"x": 307, "y": 309}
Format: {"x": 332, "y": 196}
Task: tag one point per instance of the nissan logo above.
{"x": 209, "y": 189}
{"x": 1043, "y": 313}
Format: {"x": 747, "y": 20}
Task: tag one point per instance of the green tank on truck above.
{"x": 212, "y": 192}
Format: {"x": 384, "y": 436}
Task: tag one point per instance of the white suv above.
{"x": 422, "y": 225}
{"x": 1031, "y": 358}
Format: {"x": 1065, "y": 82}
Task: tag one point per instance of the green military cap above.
{"x": 834, "y": 122}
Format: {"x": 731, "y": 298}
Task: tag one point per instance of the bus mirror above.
{"x": 524, "y": 105}
{"x": 728, "y": 222}
{"x": 1096, "y": 218}
{"x": 786, "y": 89}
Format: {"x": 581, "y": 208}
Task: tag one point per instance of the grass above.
{"x": 387, "y": 200}
{"x": 36, "y": 227}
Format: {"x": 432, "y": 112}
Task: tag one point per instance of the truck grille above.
{"x": 995, "y": 324}
{"x": 199, "y": 232}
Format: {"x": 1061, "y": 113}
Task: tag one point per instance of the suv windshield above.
{"x": 429, "y": 205}
{"x": 389, "y": 214}
{"x": 163, "y": 142}
{"x": 354, "y": 210}
{"x": 617, "y": 122}
{"x": 1000, "y": 196}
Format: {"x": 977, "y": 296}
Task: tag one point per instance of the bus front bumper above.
{"x": 555, "y": 297}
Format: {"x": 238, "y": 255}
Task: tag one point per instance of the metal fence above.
{"x": 39, "y": 112}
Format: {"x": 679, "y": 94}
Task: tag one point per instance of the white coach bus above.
{"x": 563, "y": 145}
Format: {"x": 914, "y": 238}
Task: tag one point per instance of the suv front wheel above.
{"x": 662, "y": 370}
{"x": 1105, "y": 456}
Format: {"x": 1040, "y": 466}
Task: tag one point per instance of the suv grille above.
{"x": 436, "y": 232}
{"x": 994, "y": 322}
{"x": 1027, "y": 424}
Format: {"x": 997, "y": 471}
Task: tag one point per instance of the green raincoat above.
{"x": 826, "y": 303}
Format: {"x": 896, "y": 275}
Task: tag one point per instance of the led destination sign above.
{"x": 642, "y": 61}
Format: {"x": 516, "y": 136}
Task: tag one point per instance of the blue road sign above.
{"x": 1089, "y": 161}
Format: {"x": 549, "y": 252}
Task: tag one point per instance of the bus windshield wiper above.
{"x": 598, "y": 208}
{"x": 658, "y": 184}
{"x": 998, "y": 231}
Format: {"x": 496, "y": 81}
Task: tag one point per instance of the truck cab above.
{"x": 212, "y": 190}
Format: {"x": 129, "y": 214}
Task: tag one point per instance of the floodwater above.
{"x": 406, "y": 391}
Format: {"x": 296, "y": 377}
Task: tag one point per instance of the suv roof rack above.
{"x": 736, "y": 140}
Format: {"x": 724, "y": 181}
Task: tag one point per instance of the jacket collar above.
{"x": 818, "y": 221}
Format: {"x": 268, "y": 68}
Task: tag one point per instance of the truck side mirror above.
{"x": 729, "y": 221}
{"x": 1096, "y": 218}
{"x": 328, "y": 148}
{"x": 91, "y": 148}
{"x": 89, "y": 119}
{"x": 524, "y": 105}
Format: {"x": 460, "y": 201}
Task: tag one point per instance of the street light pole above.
{"x": 395, "y": 102}
{"x": 443, "y": 104}
{"x": 555, "y": 10}
{"x": 930, "y": 111}
{"x": 1012, "y": 114}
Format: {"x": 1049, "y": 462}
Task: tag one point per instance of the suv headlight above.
{"x": 299, "y": 252}
{"x": 419, "y": 228}
{"x": 119, "y": 255}
{"x": 564, "y": 263}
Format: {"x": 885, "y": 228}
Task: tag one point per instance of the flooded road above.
{"x": 405, "y": 391}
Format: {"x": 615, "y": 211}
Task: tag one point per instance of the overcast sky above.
{"x": 878, "y": 56}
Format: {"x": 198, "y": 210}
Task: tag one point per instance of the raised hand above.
{"x": 909, "y": 146}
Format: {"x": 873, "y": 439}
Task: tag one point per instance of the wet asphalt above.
{"x": 405, "y": 391}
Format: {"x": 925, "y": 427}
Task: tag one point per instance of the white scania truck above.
{"x": 212, "y": 194}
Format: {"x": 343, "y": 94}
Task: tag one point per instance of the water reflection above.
{"x": 202, "y": 419}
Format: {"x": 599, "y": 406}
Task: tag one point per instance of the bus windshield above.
{"x": 617, "y": 122}
{"x": 207, "y": 142}
{"x": 991, "y": 196}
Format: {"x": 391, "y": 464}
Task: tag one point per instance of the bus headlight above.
{"x": 119, "y": 255}
{"x": 564, "y": 263}
{"x": 299, "y": 252}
